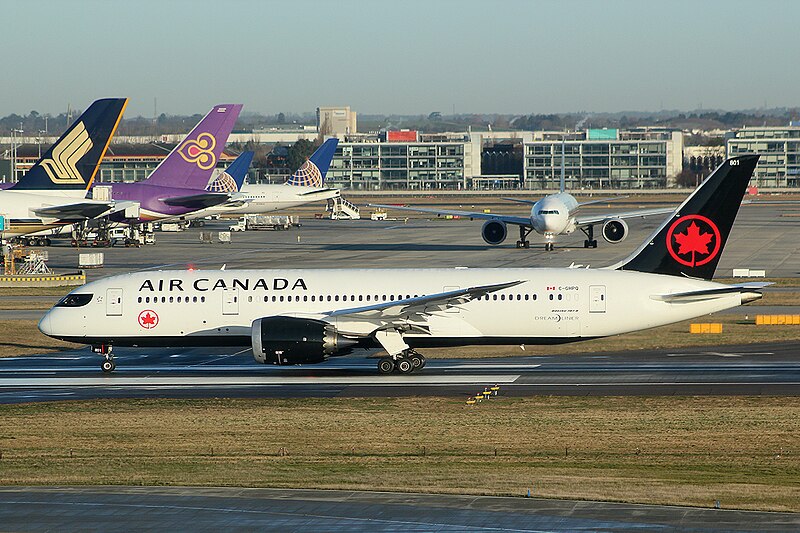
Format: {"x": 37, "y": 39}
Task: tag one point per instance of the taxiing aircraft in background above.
{"x": 304, "y": 316}
{"x": 555, "y": 214}
{"x": 53, "y": 192}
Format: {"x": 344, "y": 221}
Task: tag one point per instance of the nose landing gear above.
{"x": 108, "y": 364}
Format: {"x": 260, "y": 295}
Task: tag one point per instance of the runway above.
{"x": 755, "y": 369}
{"x": 238, "y": 509}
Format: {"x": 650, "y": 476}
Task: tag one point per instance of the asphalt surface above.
{"x": 760, "y": 369}
{"x": 235, "y": 509}
{"x": 763, "y": 237}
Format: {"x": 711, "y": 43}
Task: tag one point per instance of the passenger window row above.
{"x": 171, "y": 299}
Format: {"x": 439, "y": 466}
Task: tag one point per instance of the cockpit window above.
{"x": 75, "y": 300}
{"x": 548, "y": 211}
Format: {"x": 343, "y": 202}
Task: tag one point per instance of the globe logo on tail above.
{"x": 200, "y": 151}
{"x": 306, "y": 176}
{"x": 693, "y": 240}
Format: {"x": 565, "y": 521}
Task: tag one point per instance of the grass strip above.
{"x": 744, "y": 452}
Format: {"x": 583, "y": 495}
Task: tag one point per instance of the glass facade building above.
{"x": 631, "y": 160}
{"x": 779, "y": 165}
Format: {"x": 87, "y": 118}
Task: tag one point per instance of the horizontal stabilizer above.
{"x": 197, "y": 201}
{"x": 751, "y": 288}
{"x": 73, "y": 212}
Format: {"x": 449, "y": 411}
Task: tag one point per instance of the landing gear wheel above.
{"x": 404, "y": 365}
{"x": 418, "y": 360}
{"x": 385, "y": 366}
{"x": 108, "y": 365}
{"x": 548, "y": 247}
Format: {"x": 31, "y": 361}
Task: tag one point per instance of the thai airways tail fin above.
{"x": 232, "y": 179}
{"x": 313, "y": 171}
{"x": 690, "y": 242}
{"x": 73, "y": 161}
{"x": 192, "y": 162}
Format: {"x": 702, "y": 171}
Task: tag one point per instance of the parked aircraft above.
{"x": 52, "y": 193}
{"x": 305, "y": 186}
{"x": 177, "y": 186}
{"x": 294, "y": 316}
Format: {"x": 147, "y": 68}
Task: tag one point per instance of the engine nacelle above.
{"x": 494, "y": 231}
{"x": 615, "y": 230}
{"x": 285, "y": 340}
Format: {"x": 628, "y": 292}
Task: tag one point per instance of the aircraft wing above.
{"x": 197, "y": 201}
{"x": 519, "y": 221}
{"x": 586, "y": 220}
{"x": 74, "y": 212}
{"x": 420, "y": 306}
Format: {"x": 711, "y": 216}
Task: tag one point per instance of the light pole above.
{"x": 14, "y": 145}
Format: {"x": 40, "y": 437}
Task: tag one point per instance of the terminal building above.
{"x": 406, "y": 160}
{"x": 642, "y": 158}
{"x": 779, "y": 165}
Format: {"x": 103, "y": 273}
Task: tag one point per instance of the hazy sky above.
{"x": 400, "y": 56}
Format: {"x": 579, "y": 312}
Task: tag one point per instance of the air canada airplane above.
{"x": 304, "y": 316}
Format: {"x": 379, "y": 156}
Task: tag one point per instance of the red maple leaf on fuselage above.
{"x": 693, "y": 241}
{"x": 148, "y": 319}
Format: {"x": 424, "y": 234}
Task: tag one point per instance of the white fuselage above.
{"x": 218, "y": 307}
{"x": 267, "y": 198}
{"x": 553, "y": 215}
{"x": 18, "y": 208}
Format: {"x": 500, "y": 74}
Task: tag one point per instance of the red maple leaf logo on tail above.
{"x": 693, "y": 241}
{"x": 702, "y": 240}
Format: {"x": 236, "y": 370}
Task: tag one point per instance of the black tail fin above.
{"x": 690, "y": 242}
{"x": 73, "y": 160}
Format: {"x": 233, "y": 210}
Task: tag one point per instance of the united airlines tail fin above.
{"x": 690, "y": 242}
{"x": 192, "y": 162}
{"x": 232, "y": 179}
{"x": 313, "y": 171}
{"x": 72, "y": 162}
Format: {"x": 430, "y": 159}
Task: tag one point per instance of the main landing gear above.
{"x": 523, "y": 241}
{"x": 108, "y": 364}
{"x": 404, "y": 363}
{"x": 548, "y": 247}
{"x": 590, "y": 241}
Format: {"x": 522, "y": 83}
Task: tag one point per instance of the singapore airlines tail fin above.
{"x": 690, "y": 242}
{"x": 73, "y": 161}
{"x": 313, "y": 171}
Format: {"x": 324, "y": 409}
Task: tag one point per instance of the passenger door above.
{"x": 230, "y": 301}
{"x": 113, "y": 302}
{"x": 597, "y": 298}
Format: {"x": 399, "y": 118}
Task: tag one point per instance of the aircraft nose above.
{"x": 44, "y": 324}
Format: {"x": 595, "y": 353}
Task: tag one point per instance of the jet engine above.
{"x": 494, "y": 231}
{"x": 284, "y": 340}
{"x": 615, "y": 230}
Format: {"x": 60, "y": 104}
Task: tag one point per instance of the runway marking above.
{"x": 719, "y": 354}
{"x": 162, "y": 381}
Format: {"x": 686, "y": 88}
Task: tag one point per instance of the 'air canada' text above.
{"x": 206, "y": 284}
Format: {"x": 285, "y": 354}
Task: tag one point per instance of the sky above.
{"x": 400, "y": 57}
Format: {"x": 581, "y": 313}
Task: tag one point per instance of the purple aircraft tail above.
{"x": 191, "y": 163}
